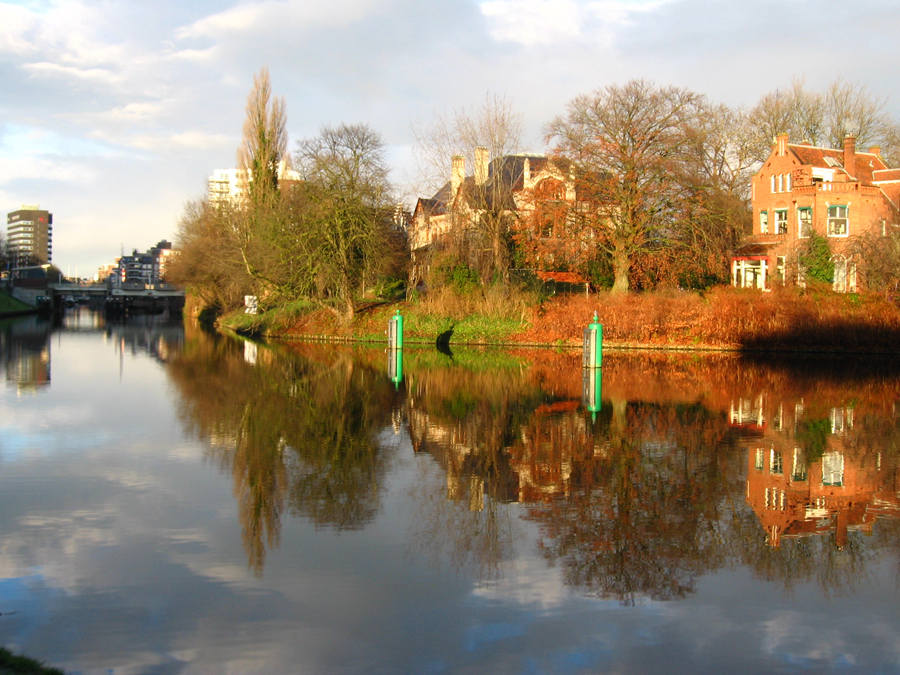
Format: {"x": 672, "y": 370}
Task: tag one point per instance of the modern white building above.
{"x": 230, "y": 185}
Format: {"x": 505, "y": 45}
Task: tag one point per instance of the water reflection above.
{"x": 297, "y": 431}
{"x": 25, "y": 347}
{"x": 689, "y": 465}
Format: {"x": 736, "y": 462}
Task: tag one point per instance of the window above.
{"x": 776, "y": 464}
{"x": 779, "y": 271}
{"x": 772, "y": 181}
{"x": 781, "y": 221}
{"x": 758, "y": 464}
{"x": 844, "y": 275}
{"x": 833, "y": 469}
{"x": 837, "y": 221}
{"x": 804, "y": 221}
{"x": 787, "y": 182}
{"x": 781, "y": 182}
{"x": 764, "y": 222}
{"x": 798, "y": 471}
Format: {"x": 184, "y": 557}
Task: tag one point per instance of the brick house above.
{"x": 526, "y": 190}
{"x": 799, "y": 189}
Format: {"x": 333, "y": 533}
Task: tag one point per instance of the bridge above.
{"x": 123, "y": 298}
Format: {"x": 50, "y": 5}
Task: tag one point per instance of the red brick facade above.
{"x": 799, "y": 189}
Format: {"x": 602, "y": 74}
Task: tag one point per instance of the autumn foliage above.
{"x": 785, "y": 319}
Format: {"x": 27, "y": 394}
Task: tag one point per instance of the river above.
{"x": 175, "y": 501}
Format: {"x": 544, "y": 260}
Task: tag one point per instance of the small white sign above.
{"x": 251, "y": 304}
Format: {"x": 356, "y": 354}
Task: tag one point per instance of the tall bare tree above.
{"x": 264, "y": 143}
{"x": 628, "y": 147}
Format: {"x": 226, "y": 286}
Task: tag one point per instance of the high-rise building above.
{"x": 29, "y": 235}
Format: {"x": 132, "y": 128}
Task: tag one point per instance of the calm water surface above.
{"x": 178, "y": 502}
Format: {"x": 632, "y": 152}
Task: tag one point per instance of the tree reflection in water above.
{"x": 297, "y": 433}
{"x": 692, "y": 464}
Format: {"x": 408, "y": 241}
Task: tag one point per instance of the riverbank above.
{"x": 725, "y": 318}
{"x": 11, "y": 307}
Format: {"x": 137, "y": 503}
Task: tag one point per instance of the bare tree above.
{"x": 823, "y": 118}
{"x": 482, "y": 216}
{"x": 627, "y": 145}
{"x": 494, "y": 125}
{"x": 264, "y": 143}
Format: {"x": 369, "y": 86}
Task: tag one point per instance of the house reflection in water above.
{"x": 809, "y": 475}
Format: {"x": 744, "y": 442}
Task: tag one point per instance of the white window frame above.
{"x": 781, "y": 226}
{"x": 764, "y": 222}
{"x": 834, "y": 220}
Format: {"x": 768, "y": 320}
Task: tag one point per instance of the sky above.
{"x": 113, "y": 113}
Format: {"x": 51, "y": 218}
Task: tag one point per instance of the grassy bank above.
{"x": 812, "y": 319}
{"x": 13, "y": 664}
{"x": 11, "y": 305}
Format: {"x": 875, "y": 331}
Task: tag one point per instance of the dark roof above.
{"x": 435, "y": 206}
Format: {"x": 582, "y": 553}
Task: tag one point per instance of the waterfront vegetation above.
{"x": 326, "y": 254}
{"x": 789, "y": 319}
{"x": 15, "y": 664}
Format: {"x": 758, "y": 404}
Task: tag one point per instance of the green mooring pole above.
{"x": 395, "y": 331}
{"x": 592, "y": 356}
{"x": 592, "y": 391}
{"x": 395, "y": 366}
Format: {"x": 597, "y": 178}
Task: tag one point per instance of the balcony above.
{"x": 839, "y": 188}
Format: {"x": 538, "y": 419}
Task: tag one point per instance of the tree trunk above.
{"x": 621, "y": 269}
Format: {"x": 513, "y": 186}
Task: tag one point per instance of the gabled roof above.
{"x": 435, "y": 206}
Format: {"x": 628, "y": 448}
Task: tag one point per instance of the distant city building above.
{"x": 229, "y": 186}
{"x": 29, "y": 235}
{"x": 147, "y": 268}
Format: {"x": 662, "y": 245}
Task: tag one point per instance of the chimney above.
{"x": 875, "y": 150}
{"x": 457, "y": 174}
{"x": 481, "y": 165}
{"x": 850, "y": 155}
{"x": 782, "y": 140}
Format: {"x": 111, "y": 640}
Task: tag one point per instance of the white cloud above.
{"x": 281, "y": 15}
{"x": 15, "y": 24}
{"x": 532, "y": 22}
{"x": 548, "y": 22}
